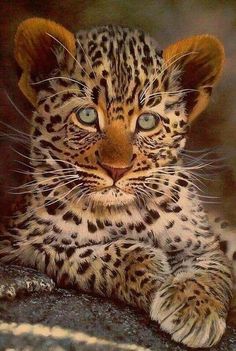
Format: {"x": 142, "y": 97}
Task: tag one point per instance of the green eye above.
{"x": 147, "y": 121}
{"x": 87, "y": 115}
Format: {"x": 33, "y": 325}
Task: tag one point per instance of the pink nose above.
{"x": 115, "y": 173}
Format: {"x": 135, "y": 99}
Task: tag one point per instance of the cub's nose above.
{"x": 115, "y": 173}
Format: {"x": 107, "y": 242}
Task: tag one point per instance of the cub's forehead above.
{"x": 122, "y": 57}
{"x": 119, "y": 36}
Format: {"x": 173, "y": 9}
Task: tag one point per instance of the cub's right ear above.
{"x": 35, "y": 40}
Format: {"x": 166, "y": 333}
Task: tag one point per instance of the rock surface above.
{"x": 67, "y": 321}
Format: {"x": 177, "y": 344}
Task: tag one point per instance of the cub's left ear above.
{"x": 199, "y": 59}
{"x": 35, "y": 42}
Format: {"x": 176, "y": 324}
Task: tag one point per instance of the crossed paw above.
{"x": 184, "y": 308}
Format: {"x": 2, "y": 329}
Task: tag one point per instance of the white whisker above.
{"x": 65, "y": 171}
{"x": 61, "y": 77}
{"x": 28, "y": 136}
{"x": 170, "y": 92}
{"x": 76, "y": 90}
{"x": 74, "y": 58}
{"x": 47, "y": 180}
{"x": 17, "y": 108}
{"x": 86, "y": 57}
{"x": 166, "y": 66}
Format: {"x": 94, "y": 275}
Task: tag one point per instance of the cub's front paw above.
{"x": 187, "y": 309}
{"x": 15, "y": 280}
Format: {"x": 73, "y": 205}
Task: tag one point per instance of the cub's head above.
{"x": 112, "y": 109}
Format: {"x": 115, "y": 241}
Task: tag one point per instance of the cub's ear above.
{"x": 35, "y": 42}
{"x": 199, "y": 60}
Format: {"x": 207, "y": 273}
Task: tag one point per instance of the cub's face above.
{"x": 112, "y": 112}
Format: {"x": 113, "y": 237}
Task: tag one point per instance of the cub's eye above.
{"x": 87, "y": 115}
{"x": 147, "y": 121}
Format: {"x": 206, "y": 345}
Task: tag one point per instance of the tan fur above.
{"x": 116, "y": 150}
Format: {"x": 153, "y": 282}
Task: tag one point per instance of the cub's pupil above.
{"x": 87, "y": 115}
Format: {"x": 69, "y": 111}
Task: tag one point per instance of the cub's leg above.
{"x": 188, "y": 294}
{"x": 193, "y": 305}
{"x": 124, "y": 269}
{"x": 189, "y": 299}
{"x": 15, "y": 280}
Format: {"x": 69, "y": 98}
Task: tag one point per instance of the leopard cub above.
{"x": 110, "y": 207}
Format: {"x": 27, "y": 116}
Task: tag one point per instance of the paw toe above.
{"x": 192, "y": 320}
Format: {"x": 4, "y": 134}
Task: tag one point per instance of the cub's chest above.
{"x": 169, "y": 230}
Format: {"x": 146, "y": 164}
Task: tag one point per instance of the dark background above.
{"x": 167, "y": 21}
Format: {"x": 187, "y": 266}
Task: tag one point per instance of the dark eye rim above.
{"x": 157, "y": 119}
{"x": 76, "y": 111}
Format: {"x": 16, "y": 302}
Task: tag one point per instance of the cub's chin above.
{"x": 112, "y": 196}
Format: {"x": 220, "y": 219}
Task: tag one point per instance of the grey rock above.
{"x": 66, "y": 320}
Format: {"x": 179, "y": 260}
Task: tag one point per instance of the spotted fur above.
{"x": 145, "y": 240}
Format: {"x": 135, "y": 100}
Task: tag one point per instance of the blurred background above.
{"x": 167, "y": 21}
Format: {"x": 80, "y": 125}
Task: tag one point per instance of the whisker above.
{"x": 16, "y": 130}
{"x": 44, "y": 181}
{"x": 82, "y": 102}
{"x": 170, "y": 92}
{"x": 204, "y": 156}
{"x": 74, "y": 58}
{"x": 160, "y": 192}
{"x": 33, "y": 210}
{"x": 86, "y": 57}
{"x": 65, "y": 194}
{"x": 210, "y": 149}
{"x": 27, "y": 165}
{"x": 166, "y": 66}
{"x": 15, "y": 138}
{"x": 76, "y": 198}
{"x": 63, "y": 105}
{"x": 76, "y": 90}
{"x": 76, "y": 168}
{"x": 60, "y": 77}
{"x": 155, "y": 180}
{"x": 17, "y": 108}
{"x": 65, "y": 171}
{"x": 27, "y": 157}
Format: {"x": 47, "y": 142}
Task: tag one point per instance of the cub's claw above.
{"x": 15, "y": 280}
{"x": 186, "y": 310}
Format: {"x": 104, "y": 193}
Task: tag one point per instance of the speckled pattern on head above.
{"x": 110, "y": 207}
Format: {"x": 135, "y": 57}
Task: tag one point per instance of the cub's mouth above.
{"x": 112, "y": 196}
